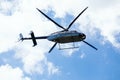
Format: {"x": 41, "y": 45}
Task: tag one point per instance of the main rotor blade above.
{"x": 76, "y": 18}
{"x": 50, "y": 19}
{"x": 90, "y": 45}
{"x": 52, "y": 47}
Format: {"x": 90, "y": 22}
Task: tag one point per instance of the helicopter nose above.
{"x": 83, "y": 36}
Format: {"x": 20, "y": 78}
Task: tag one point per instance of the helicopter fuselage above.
{"x": 66, "y": 36}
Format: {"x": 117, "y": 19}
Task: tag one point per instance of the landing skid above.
{"x": 72, "y": 45}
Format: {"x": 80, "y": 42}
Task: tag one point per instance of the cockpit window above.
{"x": 73, "y": 31}
{"x": 62, "y": 32}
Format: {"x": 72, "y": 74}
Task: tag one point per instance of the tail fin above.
{"x": 21, "y": 37}
{"x": 33, "y": 38}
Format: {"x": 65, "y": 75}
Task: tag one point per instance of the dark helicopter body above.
{"x": 64, "y": 36}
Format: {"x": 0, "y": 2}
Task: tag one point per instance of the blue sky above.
{"x": 100, "y": 22}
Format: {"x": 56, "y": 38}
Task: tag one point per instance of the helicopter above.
{"x": 64, "y": 36}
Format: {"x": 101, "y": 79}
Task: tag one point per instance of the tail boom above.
{"x": 33, "y": 38}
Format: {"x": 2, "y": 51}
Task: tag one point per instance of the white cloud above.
{"x": 52, "y": 69}
{"x": 35, "y": 61}
{"x": 31, "y": 59}
{"x": 101, "y": 4}
{"x": 9, "y": 73}
{"x": 7, "y": 7}
{"x": 105, "y": 19}
{"x": 82, "y": 55}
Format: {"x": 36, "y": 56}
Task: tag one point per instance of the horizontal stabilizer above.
{"x": 33, "y": 38}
